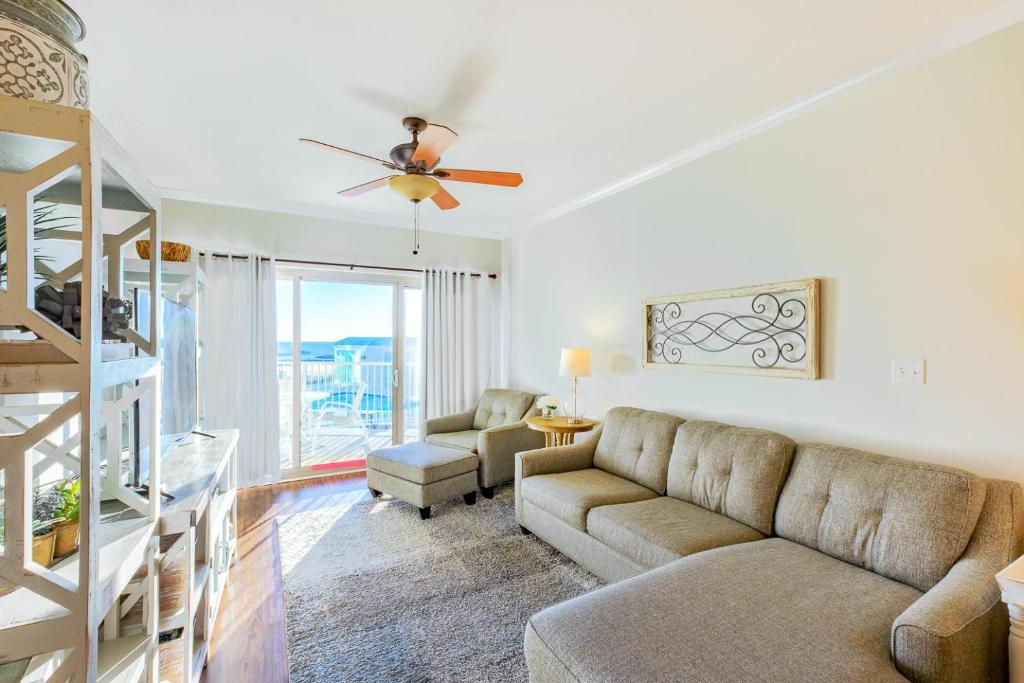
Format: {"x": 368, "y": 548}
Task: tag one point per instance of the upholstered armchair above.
{"x": 495, "y": 429}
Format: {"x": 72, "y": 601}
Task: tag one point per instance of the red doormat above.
{"x": 346, "y": 465}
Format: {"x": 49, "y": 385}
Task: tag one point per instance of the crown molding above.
{"x": 996, "y": 19}
{"x": 307, "y": 210}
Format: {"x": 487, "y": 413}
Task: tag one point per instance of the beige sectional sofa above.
{"x": 737, "y": 555}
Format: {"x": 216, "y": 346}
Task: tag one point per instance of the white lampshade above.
{"x": 575, "y": 363}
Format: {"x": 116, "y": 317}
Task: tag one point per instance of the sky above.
{"x": 335, "y": 310}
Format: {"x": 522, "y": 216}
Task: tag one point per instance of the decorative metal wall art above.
{"x": 762, "y": 330}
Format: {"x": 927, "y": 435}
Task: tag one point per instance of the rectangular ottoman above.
{"x": 422, "y": 474}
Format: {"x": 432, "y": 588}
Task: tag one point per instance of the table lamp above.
{"x": 575, "y": 363}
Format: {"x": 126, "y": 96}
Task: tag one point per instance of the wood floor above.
{"x": 248, "y": 643}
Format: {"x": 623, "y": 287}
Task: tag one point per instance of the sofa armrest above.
{"x": 957, "y": 630}
{"x": 459, "y": 422}
{"x": 577, "y": 456}
{"x": 497, "y": 448}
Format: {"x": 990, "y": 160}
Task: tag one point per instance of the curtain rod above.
{"x": 351, "y": 266}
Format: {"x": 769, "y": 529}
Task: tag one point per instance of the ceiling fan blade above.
{"x": 484, "y": 177}
{"x": 444, "y": 200}
{"x": 358, "y": 155}
{"x": 365, "y": 187}
{"x": 432, "y": 144}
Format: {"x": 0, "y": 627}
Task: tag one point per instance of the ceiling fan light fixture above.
{"x": 414, "y": 187}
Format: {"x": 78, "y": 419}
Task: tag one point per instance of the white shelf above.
{"x": 31, "y": 378}
{"x": 122, "y": 550}
{"x": 189, "y": 473}
{"x": 173, "y": 273}
{"x": 122, "y": 660}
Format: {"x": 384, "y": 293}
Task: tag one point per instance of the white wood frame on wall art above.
{"x": 776, "y": 346}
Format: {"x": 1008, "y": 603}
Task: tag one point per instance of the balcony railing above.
{"x": 324, "y": 381}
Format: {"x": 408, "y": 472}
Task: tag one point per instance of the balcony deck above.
{"x": 340, "y": 446}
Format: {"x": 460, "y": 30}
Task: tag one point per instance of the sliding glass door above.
{"x": 348, "y": 367}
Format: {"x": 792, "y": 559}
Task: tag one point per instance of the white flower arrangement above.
{"x": 547, "y": 401}
{"x": 548, "y": 404}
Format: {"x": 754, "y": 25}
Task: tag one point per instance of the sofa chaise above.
{"x": 737, "y": 555}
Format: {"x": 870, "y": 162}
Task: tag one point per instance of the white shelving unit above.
{"x": 54, "y": 618}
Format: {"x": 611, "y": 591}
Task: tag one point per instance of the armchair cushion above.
{"x": 569, "y": 496}
{"x": 466, "y": 439}
{"x": 501, "y": 407}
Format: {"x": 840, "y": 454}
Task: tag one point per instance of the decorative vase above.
{"x": 547, "y": 412}
{"x": 169, "y": 251}
{"x": 42, "y": 548}
{"x": 38, "y": 59}
{"x": 67, "y": 538}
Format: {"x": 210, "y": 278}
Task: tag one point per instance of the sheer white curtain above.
{"x": 239, "y": 321}
{"x": 460, "y": 341}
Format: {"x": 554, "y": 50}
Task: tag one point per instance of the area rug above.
{"x": 374, "y": 593}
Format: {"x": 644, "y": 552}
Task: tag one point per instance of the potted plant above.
{"x": 548, "y": 404}
{"x": 46, "y": 501}
{"x": 67, "y": 529}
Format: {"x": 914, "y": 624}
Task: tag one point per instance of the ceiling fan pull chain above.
{"x": 416, "y": 228}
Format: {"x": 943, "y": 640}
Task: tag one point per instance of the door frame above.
{"x": 398, "y": 282}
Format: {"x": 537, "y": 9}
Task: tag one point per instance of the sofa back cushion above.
{"x": 636, "y": 444}
{"x": 734, "y": 471}
{"x": 501, "y": 407}
{"x": 905, "y": 520}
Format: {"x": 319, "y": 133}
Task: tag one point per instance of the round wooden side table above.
{"x": 557, "y": 430}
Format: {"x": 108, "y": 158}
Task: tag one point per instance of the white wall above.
{"x": 244, "y": 231}
{"x": 907, "y": 199}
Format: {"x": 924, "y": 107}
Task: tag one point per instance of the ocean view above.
{"x": 310, "y": 350}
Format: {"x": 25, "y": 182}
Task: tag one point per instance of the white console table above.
{"x": 201, "y": 475}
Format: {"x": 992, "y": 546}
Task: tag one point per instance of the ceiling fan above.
{"x": 417, "y": 161}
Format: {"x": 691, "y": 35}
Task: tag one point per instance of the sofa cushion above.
{"x": 570, "y": 495}
{"x": 466, "y": 440}
{"x": 905, "y": 520}
{"x": 636, "y": 444}
{"x": 501, "y": 407}
{"x": 655, "y": 532}
{"x": 770, "y": 610}
{"x": 733, "y": 471}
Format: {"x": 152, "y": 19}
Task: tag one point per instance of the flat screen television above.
{"x": 179, "y": 404}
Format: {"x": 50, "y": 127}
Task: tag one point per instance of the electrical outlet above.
{"x": 908, "y": 371}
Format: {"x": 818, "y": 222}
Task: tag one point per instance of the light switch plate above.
{"x": 908, "y": 371}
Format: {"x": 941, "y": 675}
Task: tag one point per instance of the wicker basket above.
{"x": 169, "y": 251}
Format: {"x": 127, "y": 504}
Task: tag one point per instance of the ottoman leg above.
{"x": 488, "y": 491}
{"x": 425, "y": 513}
{"x": 374, "y": 492}
{"x": 470, "y": 498}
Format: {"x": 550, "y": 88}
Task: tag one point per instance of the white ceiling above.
{"x": 210, "y": 96}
